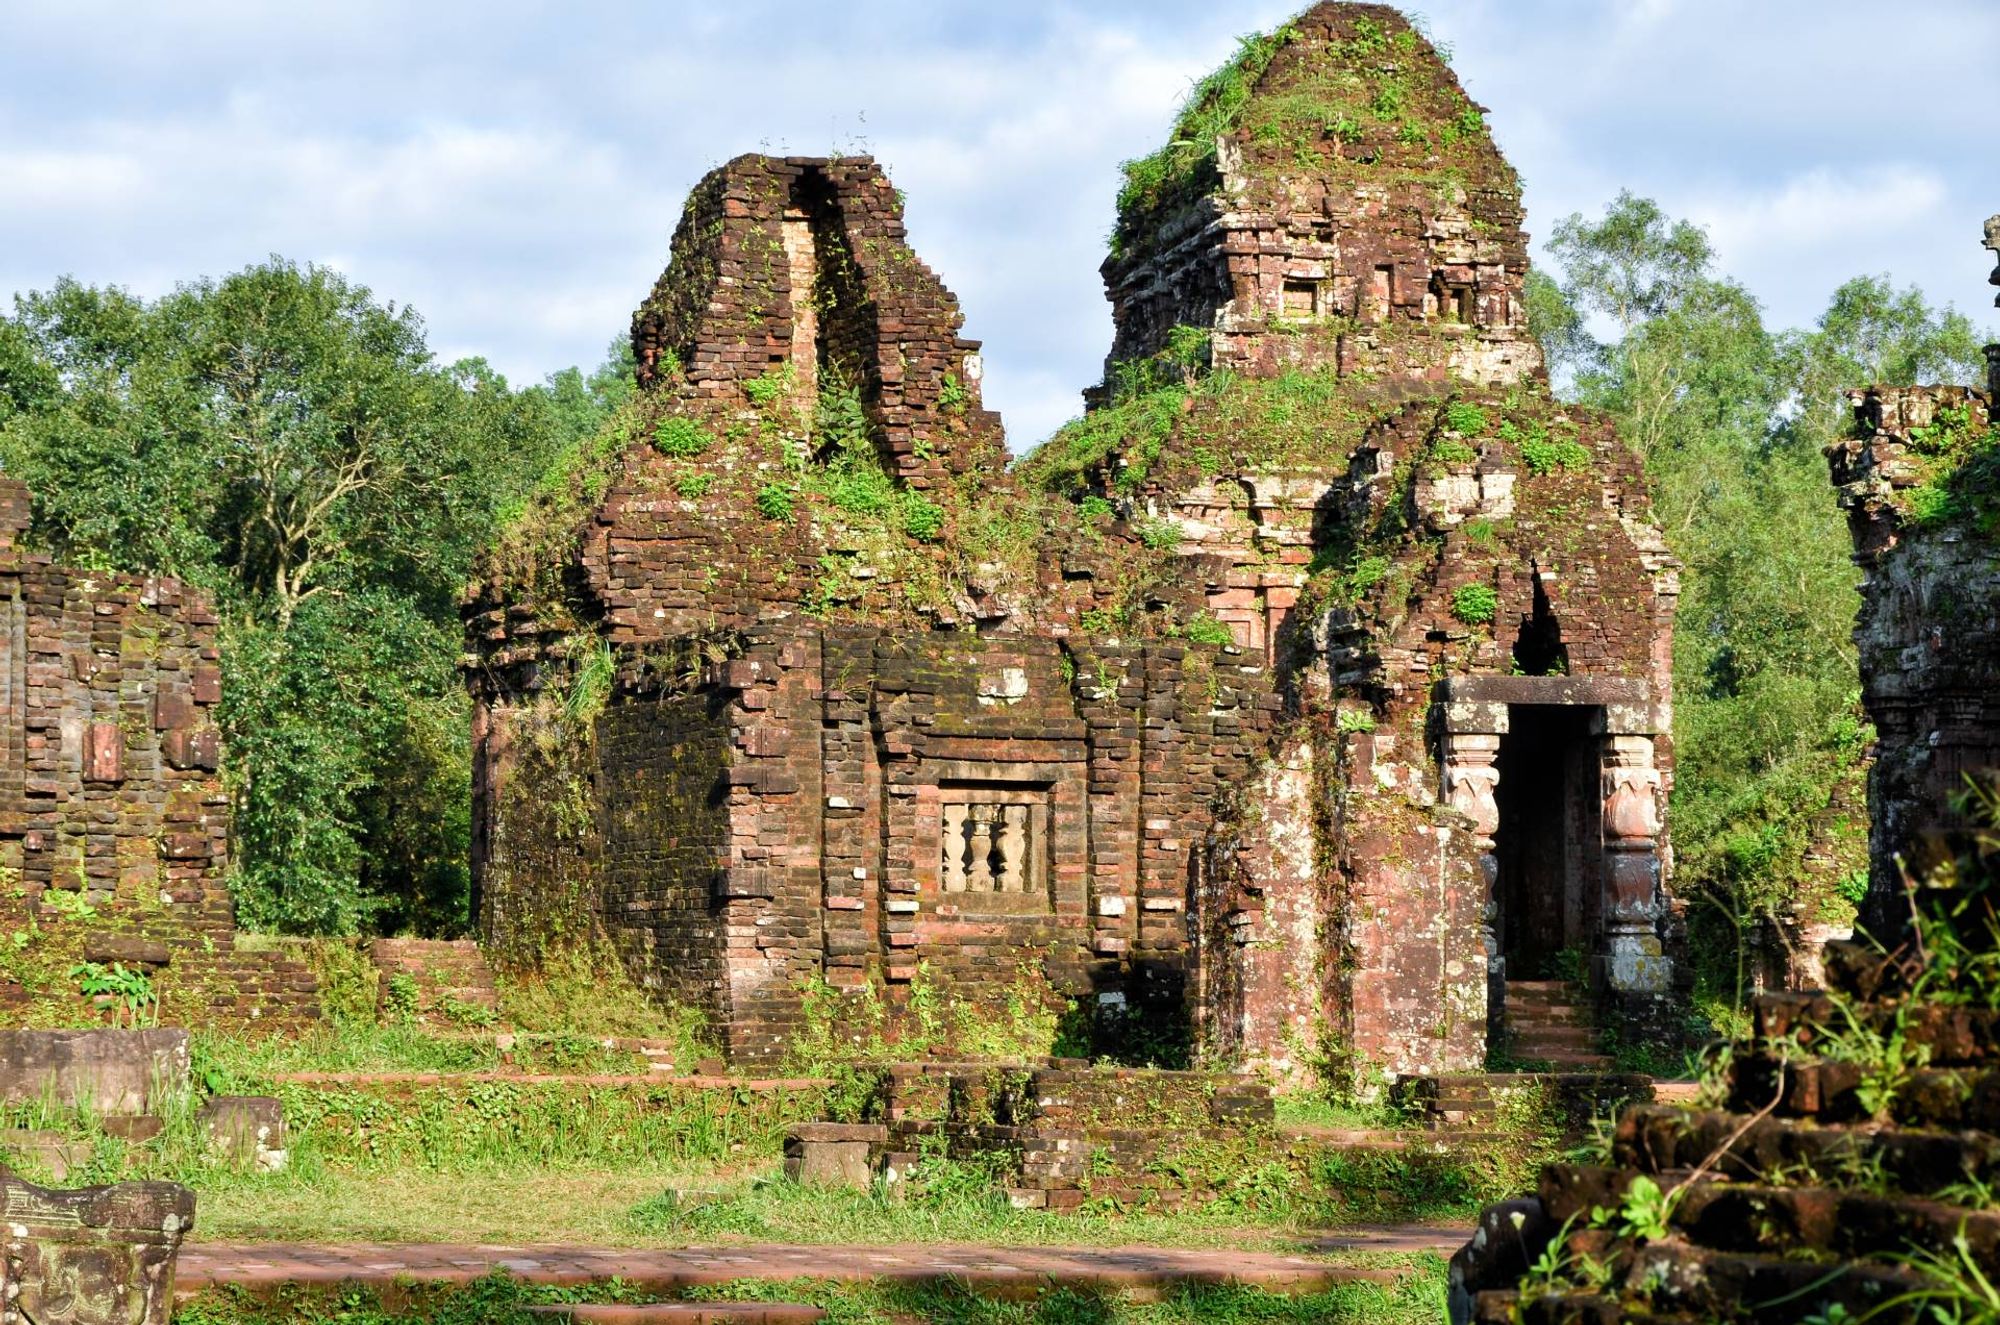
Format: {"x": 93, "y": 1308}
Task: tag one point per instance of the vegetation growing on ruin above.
{"x": 1418, "y": 1299}
{"x": 1960, "y": 481}
{"x": 1379, "y": 101}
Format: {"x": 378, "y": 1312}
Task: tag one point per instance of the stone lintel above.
{"x": 1480, "y": 703}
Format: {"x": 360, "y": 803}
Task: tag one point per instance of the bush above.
{"x": 1475, "y": 604}
{"x": 1205, "y": 629}
{"x": 681, "y": 437}
{"x": 1464, "y": 418}
{"x": 776, "y": 501}
{"x": 923, "y": 519}
{"x": 1544, "y": 456}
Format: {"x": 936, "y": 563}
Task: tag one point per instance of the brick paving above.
{"x": 999, "y": 1270}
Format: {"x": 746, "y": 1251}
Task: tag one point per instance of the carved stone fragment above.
{"x": 95, "y": 1256}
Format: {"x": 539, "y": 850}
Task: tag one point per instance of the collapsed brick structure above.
{"x": 1916, "y": 492}
{"x": 1063, "y": 1132}
{"x": 1312, "y": 684}
{"x": 108, "y": 785}
{"x": 1845, "y": 1162}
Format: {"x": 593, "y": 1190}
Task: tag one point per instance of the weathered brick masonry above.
{"x": 1929, "y": 629}
{"x": 108, "y": 786}
{"x": 909, "y": 706}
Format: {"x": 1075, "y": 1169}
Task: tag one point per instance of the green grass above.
{"x": 500, "y": 1300}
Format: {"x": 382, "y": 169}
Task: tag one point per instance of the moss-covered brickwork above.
{"x": 113, "y": 818}
{"x": 790, "y": 682}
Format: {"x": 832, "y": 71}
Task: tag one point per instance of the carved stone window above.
{"x": 995, "y": 841}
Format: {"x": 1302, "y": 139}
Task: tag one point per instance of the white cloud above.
{"x": 1818, "y": 209}
{"x": 515, "y": 172}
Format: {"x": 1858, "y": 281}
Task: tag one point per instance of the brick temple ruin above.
{"x": 888, "y": 710}
{"x": 1929, "y": 628}
{"x": 1815, "y": 1186}
{"x": 109, "y": 796}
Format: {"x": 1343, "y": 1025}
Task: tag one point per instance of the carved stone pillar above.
{"x": 1471, "y": 780}
{"x": 1633, "y": 959}
{"x": 1013, "y": 848}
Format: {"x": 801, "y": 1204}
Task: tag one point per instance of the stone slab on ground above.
{"x": 1144, "y": 1272}
{"x": 112, "y": 1071}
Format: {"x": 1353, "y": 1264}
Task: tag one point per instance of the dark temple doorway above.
{"x": 1548, "y": 847}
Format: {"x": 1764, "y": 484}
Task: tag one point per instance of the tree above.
{"x": 287, "y": 442}
{"x": 1730, "y": 421}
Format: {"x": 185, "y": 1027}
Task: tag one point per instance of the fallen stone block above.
{"x": 245, "y": 1129}
{"x": 111, "y": 1071}
{"x": 43, "y": 1153}
{"x": 833, "y": 1154}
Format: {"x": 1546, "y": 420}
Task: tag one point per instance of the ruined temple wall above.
{"x": 785, "y": 821}
{"x": 806, "y": 262}
{"x": 664, "y": 831}
{"x": 537, "y": 856}
{"x": 108, "y": 783}
{"x": 1411, "y": 988}
{"x": 1929, "y": 626}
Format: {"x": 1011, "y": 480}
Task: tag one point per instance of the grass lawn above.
{"x": 660, "y": 1207}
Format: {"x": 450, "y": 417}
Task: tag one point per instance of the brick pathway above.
{"x": 997, "y": 1270}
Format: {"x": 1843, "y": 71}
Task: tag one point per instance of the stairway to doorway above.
{"x": 1550, "y": 1021}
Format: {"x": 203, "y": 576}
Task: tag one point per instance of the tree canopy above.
{"x": 287, "y": 442}
{"x": 1730, "y": 420}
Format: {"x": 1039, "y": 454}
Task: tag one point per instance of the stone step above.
{"x": 1574, "y": 1037}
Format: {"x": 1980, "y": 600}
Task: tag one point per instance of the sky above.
{"x": 514, "y": 170}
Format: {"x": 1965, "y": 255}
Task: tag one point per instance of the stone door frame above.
{"x": 1470, "y": 716}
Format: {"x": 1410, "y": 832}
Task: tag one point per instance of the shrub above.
{"x": 1464, "y": 418}
{"x": 1160, "y": 535}
{"x": 1096, "y": 508}
{"x": 1354, "y": 720}
{"x": 763, "y": 390}
{"x": 861, "y": 490}
{"x": 1475, "y": 604}
{"x": 776, "y": 501}
{"x": 923, "y": 519}
{"x": 677, "y": 436}
{"x": 1205, "y": 629}
{"x": 1451, "y": 451}
{"x": 1544, "y": 456}
{"x": 1366, "y": 574}
{"x": 695, "y": 486}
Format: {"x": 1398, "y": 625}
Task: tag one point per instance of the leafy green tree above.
{"x": 1730, "y": 421}
{"x": 287, "y": 442}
